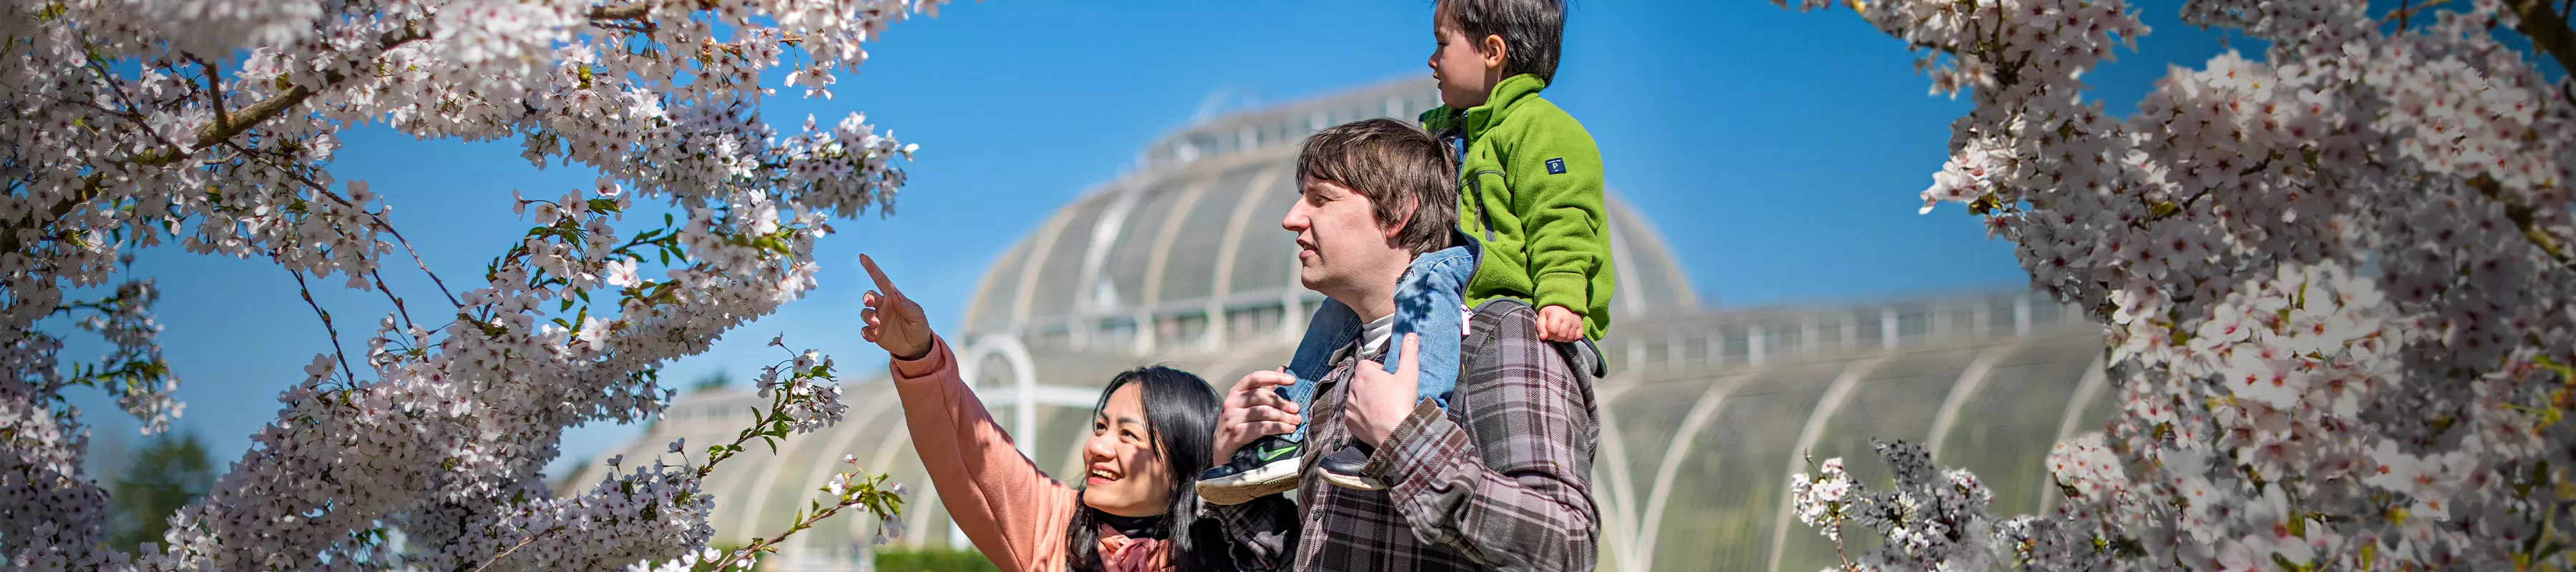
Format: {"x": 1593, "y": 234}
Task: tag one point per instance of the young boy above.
{"x": 1531, "y": 199}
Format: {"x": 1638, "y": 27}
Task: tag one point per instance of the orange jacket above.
{"x": 1014, "y": 513}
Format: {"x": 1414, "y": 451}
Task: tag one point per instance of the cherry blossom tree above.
{"x": 213, "y": 123}
{"x": 2336, "y": 282}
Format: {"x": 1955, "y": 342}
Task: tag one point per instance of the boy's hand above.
{"x": 1252, "y": 409}
{"x": 1557, "y": 324}
{"x": 1379, "y": 400}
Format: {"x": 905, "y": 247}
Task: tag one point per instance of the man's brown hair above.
{"x": 1396, "y": 166}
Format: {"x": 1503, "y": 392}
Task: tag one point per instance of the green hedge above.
{"x": 933, "y": 560}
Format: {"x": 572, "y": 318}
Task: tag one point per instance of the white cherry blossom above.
{"x": 212, "y": 124}
{"x": 2335, "y": 278}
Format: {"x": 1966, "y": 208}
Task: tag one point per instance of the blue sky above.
{"x": 1780, "y": 153}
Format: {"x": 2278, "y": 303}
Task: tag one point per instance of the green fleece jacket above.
{"x": 1530, "y": 189}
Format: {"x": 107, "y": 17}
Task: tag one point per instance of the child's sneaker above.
{"x": 1267, "y": 466}
{"x": 1342, "y": 468}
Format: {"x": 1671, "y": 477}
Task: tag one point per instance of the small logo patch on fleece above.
{"x": 1556, "y": 166}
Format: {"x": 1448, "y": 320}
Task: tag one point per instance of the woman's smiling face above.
{"x": 1123, "y": 469}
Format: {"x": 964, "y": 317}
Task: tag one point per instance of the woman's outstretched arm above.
{"x": 1014, "y": 513}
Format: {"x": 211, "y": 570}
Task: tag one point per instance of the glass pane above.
{"x": 1726, "y": 490}
{"x": 1191, "y": 270}
{"x": 1134, "y": 251}
{"x": 1063, "y": 265}
{"x": 992, "y": 311}
{"x": 1267, "y": 257}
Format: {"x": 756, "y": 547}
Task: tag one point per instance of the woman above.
{"x": 1150, "y": 439}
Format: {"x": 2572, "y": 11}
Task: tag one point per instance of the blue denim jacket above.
{"x": 1429, "y": 300}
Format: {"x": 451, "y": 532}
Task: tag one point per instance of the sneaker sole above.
{"x": 1353, "y": 482}
{"x": 1239, "y": 488}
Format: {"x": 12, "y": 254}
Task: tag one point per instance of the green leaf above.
{"x": 602, "y": 205}
{"x": 2286, "y": 564}
{"x": 2163, "y": 209}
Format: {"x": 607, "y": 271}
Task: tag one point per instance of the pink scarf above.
{"x": 1118, "y": 553}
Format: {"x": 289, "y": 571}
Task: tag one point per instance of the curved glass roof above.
{"x": 1196, "y": 232}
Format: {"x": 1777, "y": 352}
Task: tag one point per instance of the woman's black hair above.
{"x": 1180, "y": 417}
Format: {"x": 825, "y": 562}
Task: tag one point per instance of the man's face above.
{"x": 1339, "y": 243}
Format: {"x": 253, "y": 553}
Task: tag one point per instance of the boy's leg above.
{"x": 1428, "y": 303}
{"x": 1269, "y": 465}
{"x": 1333, "y": 326}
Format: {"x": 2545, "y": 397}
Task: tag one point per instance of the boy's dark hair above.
{"x": 1532, "y": 30}
{"x": 1395, "y": 165}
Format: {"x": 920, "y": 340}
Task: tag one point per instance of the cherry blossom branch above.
{"x": 307, "y": 291}
{"x": 454, "y": 423}
{"x": 2406, "y": 10}
{"x": 389, "y": 295}
{"x": 388, "y": 227}
{"x": 238, "y": 122}
{"x": 2523, "y": 217}
{"x": 888, "y": 504}
{"x": 384, "y": 225}
{"x": 2547, "y": 29}
{"x": 214, "y": 91}
{"x": 523, "y": 543}
{"x": 132, "y": 112}
{"x": 224, "y": 127}
{"x": 621, "y": 12}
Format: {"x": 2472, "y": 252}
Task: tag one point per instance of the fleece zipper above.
{"x": 1484, "y": 218}
{"x": 1457, "y": 139}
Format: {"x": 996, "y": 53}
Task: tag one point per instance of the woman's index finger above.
{"x": 883, "y": 285}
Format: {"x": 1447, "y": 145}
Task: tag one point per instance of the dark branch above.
{"x": 2524, "y": 218}
{"x": 2547, "y": 29}
{"x": 223, "y": 128}
{"x": 621, "y": 12}
{"x": 214, "y": 91}
{"x": 388, "y": 227}
{"x": 307, "y": 291}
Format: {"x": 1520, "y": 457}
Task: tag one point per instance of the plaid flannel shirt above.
{"x": 1501, "y": 481}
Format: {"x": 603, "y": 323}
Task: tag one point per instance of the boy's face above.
{"x": 1464, "y": 67}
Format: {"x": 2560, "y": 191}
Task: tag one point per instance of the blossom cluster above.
{"x": 2335, "y": 280}
{"x": 213, "y": 124}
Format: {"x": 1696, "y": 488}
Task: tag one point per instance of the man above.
{"x": 1501, "y": 478}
